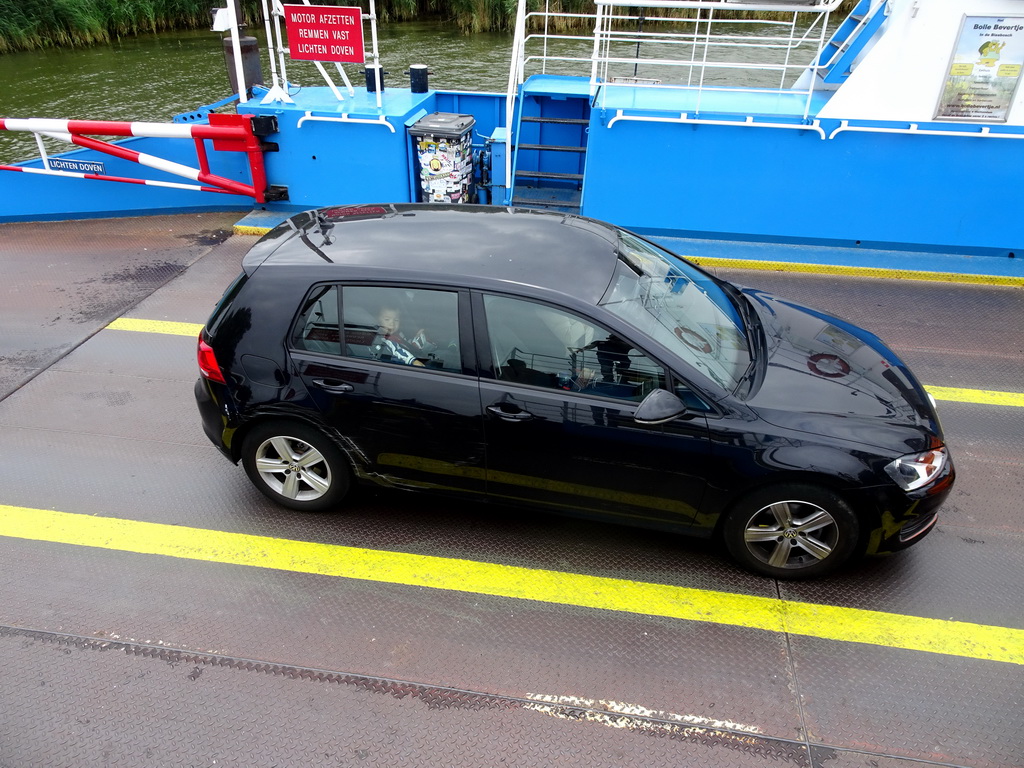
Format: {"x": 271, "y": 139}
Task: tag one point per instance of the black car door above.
{"x": 398, "y": 393}
{"x": 558, "y": 418}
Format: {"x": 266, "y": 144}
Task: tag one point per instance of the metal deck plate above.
{"x": 125, "y": 658}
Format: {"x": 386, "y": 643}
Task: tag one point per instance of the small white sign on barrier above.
{"x": 77, "y": 166}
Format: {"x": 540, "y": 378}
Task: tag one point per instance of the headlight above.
{"x": 917, "y": 470}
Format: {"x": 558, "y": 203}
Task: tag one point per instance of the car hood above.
{"x": 819, "y": 374}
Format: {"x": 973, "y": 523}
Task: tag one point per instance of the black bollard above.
{"x": 251, "y": 70}
{"x": 374, "y": 76}
{"x": 419, "y": 78}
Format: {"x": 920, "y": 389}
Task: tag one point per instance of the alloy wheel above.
{"x": 791, "y": 534}
{"x": 293, "y": 468}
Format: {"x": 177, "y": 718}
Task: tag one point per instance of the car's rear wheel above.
{"x": 296, "y": 466}
{"x": 792, "y": 531}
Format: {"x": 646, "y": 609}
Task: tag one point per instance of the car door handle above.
{"x": 501, "y": 413}
{"x": 332, "y": 386}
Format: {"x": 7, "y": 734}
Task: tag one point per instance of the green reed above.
{"x": 30, "y": 24}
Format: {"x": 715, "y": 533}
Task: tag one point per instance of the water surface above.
{"x": 153, "y": 77}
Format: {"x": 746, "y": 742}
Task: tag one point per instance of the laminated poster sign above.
{"x": 985, "y": 69}
{"x": 324, "y": 33}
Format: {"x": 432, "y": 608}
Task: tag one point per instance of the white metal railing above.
{"x": 700, "y": 52}
{"x": 748, "y": 121}
{"x": 960, "y": 131}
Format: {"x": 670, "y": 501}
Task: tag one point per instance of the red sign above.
{"x": 324, "y": 33}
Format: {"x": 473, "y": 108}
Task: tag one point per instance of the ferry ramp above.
{"x": 156, "y": 610}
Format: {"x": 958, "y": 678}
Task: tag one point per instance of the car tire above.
{"x": 296, "y": 465}
{"x": 792, "y": 531}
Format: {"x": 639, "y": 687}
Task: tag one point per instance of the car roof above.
{"x": 557, "y": 251}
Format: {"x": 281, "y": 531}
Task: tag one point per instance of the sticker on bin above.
{"x": 444, "y": 148}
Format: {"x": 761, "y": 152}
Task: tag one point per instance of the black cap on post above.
{"x": 419, "y": 78}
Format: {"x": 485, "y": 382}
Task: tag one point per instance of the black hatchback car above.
{"x": 557, "y": 361}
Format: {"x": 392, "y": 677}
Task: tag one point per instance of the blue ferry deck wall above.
{"x": 731, "y": 182}
{"x": 321, "y": 163}
{"x": 868, "y": 189}
{"x": 35, "y": 197}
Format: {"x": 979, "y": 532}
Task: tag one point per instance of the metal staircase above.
{"x": 550, "y": 154}
{"x": 835, "y": 64}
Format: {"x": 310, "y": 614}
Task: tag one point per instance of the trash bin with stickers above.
{"x": 444, "y": 147}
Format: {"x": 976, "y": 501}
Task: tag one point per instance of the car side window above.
{"x": 317, "y": 328}
{"x": 405, "y": 326}
{"x": 533, "y": 343}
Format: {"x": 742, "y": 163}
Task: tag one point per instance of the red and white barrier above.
{"x": 229, "y": 133}
{"x": 234, "y": 130}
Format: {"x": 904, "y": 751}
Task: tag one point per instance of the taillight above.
{"x": 208, "y": 362}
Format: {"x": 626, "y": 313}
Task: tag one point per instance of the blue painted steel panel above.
{"x": 323, "y": 162}
{"x": 765, "y": 103}
{"x": 557, "y": 85}
{"x": 487, "y": 108}
{"x": 764, "y": 183}
{"x": 552, "y": 134}
{"x": 499, "y": 152}
{"x": 33, "y": 197}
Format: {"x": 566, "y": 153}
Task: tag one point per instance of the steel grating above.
{"x": 122, "y": 658}
{"x": 84, "y": 701}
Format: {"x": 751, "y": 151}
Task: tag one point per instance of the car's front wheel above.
{"x": 296, "y": 466}
{"x": 792, "y": 531}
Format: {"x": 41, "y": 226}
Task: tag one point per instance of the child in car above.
{"x": 392, "y": 345}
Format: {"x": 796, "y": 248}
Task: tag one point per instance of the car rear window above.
{"x": 317, "y": 329}
{"x": 225, "y": 301}
{"x": 410, "y": 326}
{"x": 407, "y": 325}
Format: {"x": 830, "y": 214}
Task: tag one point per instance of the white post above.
{"x": 271, "y": 48}
{"x": 42, "y": 152}
{"x": 327, "y": 78}
{"x": 279, "y": 42}
{"x": 275, "y": 48}
{"x": 375, "y": 55}
{"x": 344, "y": 78}
{"x": 515, "y": 76}
{"x": 236, "y": 45}
{"x": 595, "y": 71}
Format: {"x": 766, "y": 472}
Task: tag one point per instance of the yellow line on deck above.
{"x": 155, "y": 326}
{"x": 953, "y": 638}
{"x": 979, "y": 396}
{"x": 248, "y": 229}
{"x": 832, "y": 269}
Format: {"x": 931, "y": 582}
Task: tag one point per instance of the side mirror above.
{"x": 659, "y": 407}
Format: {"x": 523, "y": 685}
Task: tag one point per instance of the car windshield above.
{"x": 680, "y": 307}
